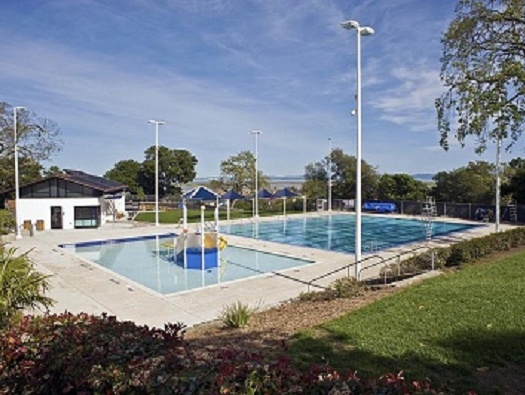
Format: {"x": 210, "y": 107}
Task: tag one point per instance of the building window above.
{"x": 87, "y": 217}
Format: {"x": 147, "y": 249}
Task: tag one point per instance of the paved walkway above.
{"x": 80, "y": 286}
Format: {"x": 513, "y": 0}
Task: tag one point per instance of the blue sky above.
{"x": 216, "y": 69}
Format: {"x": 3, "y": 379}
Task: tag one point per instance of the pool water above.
{"x": 336, "y": 232}
{"x": 149, "y": 261}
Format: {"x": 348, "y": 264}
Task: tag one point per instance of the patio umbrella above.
{"x": 265, "y": 194}
{"x": 199, "y": 193}
{"x": 285, "y": 193}
{"x": 229, "y": 196}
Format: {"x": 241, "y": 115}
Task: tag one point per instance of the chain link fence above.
{"x": 468, "y": 211}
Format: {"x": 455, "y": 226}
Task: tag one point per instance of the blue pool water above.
{"x": 336, "y": 232}
{"x": 149, "y": 262}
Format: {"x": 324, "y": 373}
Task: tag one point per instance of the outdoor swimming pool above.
{"x": 336, "y": 232}
{"x": 147, "y": 261}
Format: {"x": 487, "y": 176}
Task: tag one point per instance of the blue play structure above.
{"x": 380, "y": 207}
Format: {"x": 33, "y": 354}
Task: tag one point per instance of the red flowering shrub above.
{"x": 72, "y": 354}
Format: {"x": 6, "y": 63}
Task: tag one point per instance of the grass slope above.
{"x": 453, "y": 329}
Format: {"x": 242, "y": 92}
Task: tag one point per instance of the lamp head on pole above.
{"x": 255, "y": 131}
{"x": 350, "y": 25}
{"x": 156, "y": 122}
{"x": 365, "y": 30}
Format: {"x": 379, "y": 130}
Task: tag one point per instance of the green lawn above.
{"x": 174, "y": 216}
{"x": 450, "y": 328}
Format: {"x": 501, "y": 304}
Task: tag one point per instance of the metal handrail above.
{"x": 340, "y": 269}
{"x": 397, "y": 256}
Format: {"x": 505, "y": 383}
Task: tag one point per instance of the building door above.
{"x": 56, "y": 217}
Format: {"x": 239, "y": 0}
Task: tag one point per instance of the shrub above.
{"x": 70, "y": 354}
{"x": 461, "y": 253}
{"x": 21, "y": 286}
{"x": 347, "y": 287}
{"x": 317, "y": 296}
{"x": 7, "y": 222}
{"x": 79, "y": 353}
{"x": 237, "y": 315}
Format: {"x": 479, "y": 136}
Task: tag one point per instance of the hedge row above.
{"x": 70, "y": 354}
{"x": 463, "y": 252}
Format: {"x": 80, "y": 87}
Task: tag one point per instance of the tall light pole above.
{"x": 329, "y": 174}
{"x": 17, "y": 192}
{"x": 498, "y": 183}
{"x": 157, "y": 123}
{"x": 256, "y": 133}
{"x": 361, "y": 31}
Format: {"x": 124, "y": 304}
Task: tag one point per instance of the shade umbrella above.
{"x": 285, "y": 193}
{"x": 263, "y": 194}
{"x": 199, "y": 193}
{"x": 229, "y": 196}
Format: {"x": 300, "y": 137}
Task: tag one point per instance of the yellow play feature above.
{"x": 209, "y": 242}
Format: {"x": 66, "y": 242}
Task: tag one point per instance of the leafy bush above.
{"x": 317, "y": 296}
{"x": 347, "y": 287}
{"x": 21, "y": 286}
{"x": 7, "y": 222}
{"x": 237, "y": 315}
{"x": 70, "y": 354}
{"x": 461, "y": 253}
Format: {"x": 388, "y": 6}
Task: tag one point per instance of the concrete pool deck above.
{"x": 80, "y": 286}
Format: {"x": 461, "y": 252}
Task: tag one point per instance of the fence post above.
{"x": 470, "y": 211}
{"x": 433, "y": 259}
{"x": 399, "y": 265}
{"x": 444, "y": 209}
{"x": 402, "y": 207}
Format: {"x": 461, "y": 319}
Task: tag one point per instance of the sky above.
{"x": 214, "y": 70}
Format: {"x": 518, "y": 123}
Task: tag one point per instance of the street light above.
{"x": 365, "y": 31}
{"x": 256, "y": 133}
{"x": 17, "y": 192}
{"x": 329, "y": 174}
{"x": 157, "y": 123}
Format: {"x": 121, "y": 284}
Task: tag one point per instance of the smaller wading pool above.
{"x": 149, "y": 261}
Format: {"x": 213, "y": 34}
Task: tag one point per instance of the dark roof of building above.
{"x": 79, "y": 177}
{"x": 95, "y": 182}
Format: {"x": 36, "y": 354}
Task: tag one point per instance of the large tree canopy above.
{"x": 127, "y": 172}
{"x": 483, "y": 69}
{"x": 474, "y": 183}
{"x": 401, "y": 187}
{"x": 239, "y": 172}
{"x": 176, "y": 167}
{"x": 343, "y": 177}
{"x": 38, "y": 138}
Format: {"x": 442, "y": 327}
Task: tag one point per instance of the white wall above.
{"x": 40, "y": 209}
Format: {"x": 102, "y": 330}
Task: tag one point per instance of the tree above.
{"x": 176, "y": 167}
{"x": 343, "y": 177}
{"x": 38, "y": 137}
{"x": 315, "y": 185}
{"x": 514, "y": 188}
{"x": 127, "y": 172}
{"x": 401, "y": 187}
{"x": 239, "y": 172}
{"x": 483, "y": 69}
{"x": 28, "y": 170}
{"x": 52, "y": 171}
{"x": 474, "y": 183}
